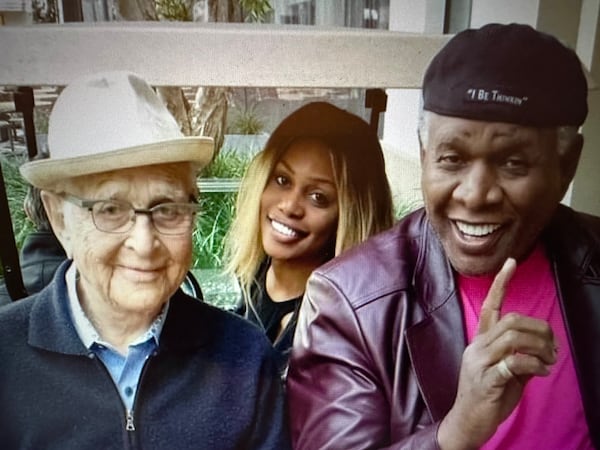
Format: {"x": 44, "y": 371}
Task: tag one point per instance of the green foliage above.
{"x": 217, "y": 210}
{"x": 229, "y": 164}
{"x": 16, "y": 189}
{"x": 175, "y": 10}
{"x": 179, "y": 10}
{"x": 403, "y": 207}
{"x": 247, "y": 121}
{"x": 256, "y": 10}
{"x": 41, "y": 114}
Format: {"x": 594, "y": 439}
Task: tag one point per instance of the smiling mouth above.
{"x": 477, "y": 230}
{"x": 285, "y": 230}
{"x": 140, "y": 275}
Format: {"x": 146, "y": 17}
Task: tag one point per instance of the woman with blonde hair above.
{"x": 317, "y": 189}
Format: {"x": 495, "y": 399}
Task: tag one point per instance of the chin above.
{"x": 474, "y": 267}
{"x": 141, "y": 300}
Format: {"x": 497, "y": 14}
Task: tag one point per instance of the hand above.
{"x": 504, "y": 355}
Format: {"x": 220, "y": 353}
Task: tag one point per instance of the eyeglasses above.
{"x": 116, "y": 216}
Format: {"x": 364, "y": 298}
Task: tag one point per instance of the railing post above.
{"x": 24, "y": 103}
{"x": 376, "y": 99}
{"x": 8, "y": 250}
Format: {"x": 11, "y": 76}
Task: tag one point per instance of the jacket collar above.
{"x": 51, "y": 327}
{"x": 50, "y": 324}
{"x": 435, "y": 350}
{"x": 573, "y": 243}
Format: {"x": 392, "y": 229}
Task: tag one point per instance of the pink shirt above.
{"x": 550, "y": 414}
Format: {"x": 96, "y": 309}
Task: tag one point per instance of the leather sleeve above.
{"x": 338, "y": 393}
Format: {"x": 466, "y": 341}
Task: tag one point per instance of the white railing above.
{"x": 191, "y": 54}
{"x": 218, "y": 184}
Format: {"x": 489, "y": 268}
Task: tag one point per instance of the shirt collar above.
{"x": 86, "y": 330}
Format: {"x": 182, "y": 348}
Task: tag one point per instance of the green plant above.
{"x": 216, "y": 211}
{"x": 247, "y": 121}
{"x": 403, "y": 207}
{"x": 41, "y": 114}
{"x": 175, "y": 10}
{"x": 229, "y": 164}
{"x": 253, "y": 10}
{"x": 16, "y": 188}
{"x": 256, "y": 10}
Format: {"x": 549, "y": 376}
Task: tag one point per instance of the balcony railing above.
{"x": 188, "y": 54}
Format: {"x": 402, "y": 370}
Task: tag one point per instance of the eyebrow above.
{"x": 458, "y": 140}
{"x": 312, "y": 179}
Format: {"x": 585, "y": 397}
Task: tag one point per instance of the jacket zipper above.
{"x": 129, "y": 425}
{"x": 129, "y": 416}
{"x": 129, "y": 413}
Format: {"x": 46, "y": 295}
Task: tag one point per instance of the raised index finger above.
{"x": 490, "y": 310}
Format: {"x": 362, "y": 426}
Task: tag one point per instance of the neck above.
{"x": 119, "y": 328}
{"x": 286, "y": 280}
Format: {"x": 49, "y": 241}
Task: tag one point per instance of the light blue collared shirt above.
{"x": 124, "y": 370}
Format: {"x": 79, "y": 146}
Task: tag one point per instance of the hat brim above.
{"x": 44, "y": 173}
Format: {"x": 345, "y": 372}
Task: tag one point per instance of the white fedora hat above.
{"x": 110, "y": 121}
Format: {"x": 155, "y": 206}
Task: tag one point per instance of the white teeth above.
{"x": 283, "y": 229}
{"x": 477, "y": 230}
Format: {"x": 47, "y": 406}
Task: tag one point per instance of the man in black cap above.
{"x": 474, "y": 322}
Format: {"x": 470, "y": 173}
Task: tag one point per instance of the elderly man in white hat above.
{"x": 112, "y": 354}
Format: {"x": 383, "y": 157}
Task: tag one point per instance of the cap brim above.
{"x": 44, "y": 173}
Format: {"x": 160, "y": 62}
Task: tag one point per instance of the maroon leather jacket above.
{"x": 379, "y": 340}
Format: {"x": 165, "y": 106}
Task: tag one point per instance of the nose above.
{"x": 143, "y": 236}
{"x": 479, "y": 187}
{"x": 291, "y": 203}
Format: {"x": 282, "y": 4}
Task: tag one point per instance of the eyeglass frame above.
{"x": 89, "y": 205}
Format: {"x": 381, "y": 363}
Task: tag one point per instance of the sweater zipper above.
{"x": 129, "y": 418}
{"x": 129, "y": 422}
{"x": 129, "y": 413}
{"x": 129, "y": 426}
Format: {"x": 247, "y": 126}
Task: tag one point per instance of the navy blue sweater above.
{"x": 212, "y": 384}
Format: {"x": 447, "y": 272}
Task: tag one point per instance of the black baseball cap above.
{"x": 507, "y": 73}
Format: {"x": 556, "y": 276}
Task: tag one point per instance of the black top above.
{"x": 268, "y": 315}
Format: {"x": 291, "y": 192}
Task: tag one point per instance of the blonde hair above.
{"x": 364, "y": 197}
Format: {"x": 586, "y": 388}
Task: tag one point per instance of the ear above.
{"x": 53, "y": 205}
{"x": 569, "y": 161}
{"x": 421, "y": 149}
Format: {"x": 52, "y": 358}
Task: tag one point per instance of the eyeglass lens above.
{"x": 167, "y": 218}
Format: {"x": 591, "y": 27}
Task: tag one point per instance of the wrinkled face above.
{"x": 299, "y": 206}
{"x": 135, "y": 271}
{"x": 489, "y": 189}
